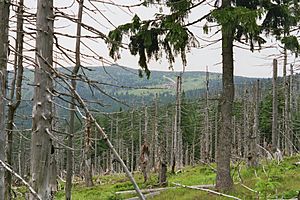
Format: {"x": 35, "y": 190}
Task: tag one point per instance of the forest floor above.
{"x": 269, "y": 181}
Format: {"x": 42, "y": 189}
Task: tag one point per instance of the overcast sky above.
{"x": 257, "y": 64}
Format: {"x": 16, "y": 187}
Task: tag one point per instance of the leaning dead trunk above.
{"x": 101, "y": 131}
{"x": 42, "y": 102}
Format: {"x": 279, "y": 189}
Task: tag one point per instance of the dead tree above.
{"x": 177, "y": 141}
{"x": 4, "y": 23}
{"x": 72, "y": 106}
{"x": 144, "y": 161}
{"x": 254, "y": 138}
{"x": 292, "y": 105}
{"x": 286, "y": 113}
{"x": 88, "y": 153}
{"x": 205, "y": 142}
{"x": 14, "y": 96}
{"x": 42, "y": 101}
{"x": 274, "y": 107}
{"x": 132, "y": 142}
{"x": 156, "y": 147}
{"x": 145, "y": 151}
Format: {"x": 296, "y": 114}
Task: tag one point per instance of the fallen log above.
{"x": 152, "y": 194}
{"x": 145, "y": 190}
{"x": 207, "y": 190}
{"x": 159, "y": 189}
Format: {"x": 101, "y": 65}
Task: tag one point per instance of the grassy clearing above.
{"x": 270, "y": 180}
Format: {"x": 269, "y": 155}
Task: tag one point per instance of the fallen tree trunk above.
{"x": 145, "y": 190}
{"x": 207, "y": 190}
{"x": 146, "y": 196}
{"x": 161, "y": 189}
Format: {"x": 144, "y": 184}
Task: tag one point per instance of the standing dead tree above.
{"x": 72, "y": 106}
{"x": 254, "y": 137}
{"x": 275, "y": 107}
{"x": 15, "y": 95}
{"x": 177, "y": 136}
{"x": 4, "y": 43}
{"x": 42, "y": 115}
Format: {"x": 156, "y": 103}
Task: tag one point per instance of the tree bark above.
{"x": 224, "y": 180}
{"x": 4, "y": 25}
{"x": 42, "y": 101}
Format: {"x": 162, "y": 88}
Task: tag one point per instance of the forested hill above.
{"x": 125, "y": 85}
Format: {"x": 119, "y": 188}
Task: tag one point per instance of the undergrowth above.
{"x": 268, "y": 181}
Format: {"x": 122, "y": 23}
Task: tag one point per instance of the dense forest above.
{"x": 76, "y": 124}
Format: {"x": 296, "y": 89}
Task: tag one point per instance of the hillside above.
{"x": 128, "y": 89}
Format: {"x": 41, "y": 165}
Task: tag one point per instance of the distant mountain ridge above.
{"x": 124, "y": 85}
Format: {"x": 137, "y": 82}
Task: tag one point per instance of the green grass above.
{"x": 272, "y": 180}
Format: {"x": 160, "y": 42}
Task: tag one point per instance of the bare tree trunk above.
{"x": 96, "y": 155}
{"x": 145, "y": 153}
{"x": 206, "y": 130}
{"x": 156, "y": 146}
{"x": 166, "y": 138}
{"x": 53, "y": 172}
{"x": 193, "y": 147}
{"x": 224, "y": 180}
{"x": 246, "y": 128}
{"x": 111, "y": 166}
{"x": 88, "y": 178}
{"x": 286, "y": 121}
{"x": 21, "y": 157}
{"x": 291, "y": 107}
{"x": 176, "y": 156}
{"x": 118, "y": 145}
{"x": 140, "y": 134}
{"x": 14, "y": 93}
{"x": 70, "y": 154}
{"x": 132, "y": 143}
{"x": 163, "y": 153}
{"x": 42, "y": 101}
{"x": 4, "y": 24}
{"x": 254, "y": 139}
{"x": 275, "y": 107}
{"x": 216, "y": 129}
{"x": 180, "y": 142}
